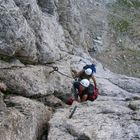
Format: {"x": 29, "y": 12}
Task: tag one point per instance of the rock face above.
{"x": 111, "y": 34}
{"x": 23, "y": 119}
{"x": 107, "y": 118}
{"x": 29, "y": 33}
{"x": 41, "y": 41}
{"x": 114, "y": 115}
{"x": 16, "y": 35}
{"x": 70, "y": 19}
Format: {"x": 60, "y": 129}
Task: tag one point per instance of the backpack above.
{"x": 70, "y": 101}
{"x": 92, "y": 66}
{"x": 92, "y": 92}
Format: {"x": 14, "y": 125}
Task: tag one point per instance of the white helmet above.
{"x": 88, "y": 71}
{"x": 84, "y": 82}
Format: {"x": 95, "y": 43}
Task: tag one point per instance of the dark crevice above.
{"x": 44, "y": 135}
{"x": 8, "y": 103}
{"x": 47, "y": 6}
{"x": 83, "y": 137}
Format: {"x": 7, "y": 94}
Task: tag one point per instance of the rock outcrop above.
{"x": 106, "y": 118}
{"x": 22, "y": 119}
{"x": 30, "y": 34}
{"x": 41, "y": 41}
{"x": 113, "y": 116}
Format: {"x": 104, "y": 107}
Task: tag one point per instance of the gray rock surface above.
{"x": 42, "y": 80}
{"x": 32, "y": 81}
{"x": 103, "y": 119}
{"x": 38, "y": 35}
{"x": 30, "y": 34}
{"x": 2, "y": 104}
{"x": 114, "y": 115}
{"x": 23, "y": 119}
{"x": 16, "y": 38}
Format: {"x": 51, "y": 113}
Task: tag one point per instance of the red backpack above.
{"x": 92, "y": 92}
{"x": 70, "y": 101}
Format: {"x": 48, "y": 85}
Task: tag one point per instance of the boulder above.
{"x": 23, "y": 119}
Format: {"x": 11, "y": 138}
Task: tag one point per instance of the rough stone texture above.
{"x": 36, "y": 81}
{"x": 106, "y": 118}
{"x": 47, "y": 6}
{"x": 111, "y": 34}
{"x": 49, "y": 34}
{"x": 16, "y": 36}
{"x": 3, "y": 87}
{"x": 2, "y": 104}
{"x": 26, "y": 81}
{"x": 126, "y": 84}
{"x": 135, "y": 105}
{"x": 114, "y": 115}
{"x": 30, "y": 32}
{"x": 13, "y": 62}
{"x": 94, "y": 18}
{"x": 52, "y": 101}
{"x": 69, "y": 18}
{"x": 23, "y": 119}
{"x": 41, "y": 80}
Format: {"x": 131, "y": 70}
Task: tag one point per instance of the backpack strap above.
{"x": 80, "y": 90}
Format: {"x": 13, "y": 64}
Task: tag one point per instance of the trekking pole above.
{"x": 72, "y": 112}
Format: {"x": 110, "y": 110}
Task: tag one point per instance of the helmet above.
{"x": 88, "y": 71}
{"x": 84, "y": 82}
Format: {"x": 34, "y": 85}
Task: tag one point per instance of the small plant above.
{"x": 118, "y": 24}
{"x": 127, "y": 3}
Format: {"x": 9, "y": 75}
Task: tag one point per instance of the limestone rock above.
{"x": 35, "y": 36}
{"x": 96, "y": 120}
{"x": 36, "y": 81}
{"x": 113, "y": 115}
{"x": 52, "y": 101}
{"x": 48, "y": 33}
{"x": 70, "y": 19}
{"x": 30, "y": 34}
{"x": 16, "y": 38}
{"x": 23, "y": 119}
{"x": 3, "y": 87}
{"x": 2, "y": 104}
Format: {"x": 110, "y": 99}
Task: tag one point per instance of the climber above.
{"x": 82, "y": 91}
{"x": 86, "y": 73}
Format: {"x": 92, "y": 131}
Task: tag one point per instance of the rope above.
{"x": 65, "y": 74}
{"x": 55, "y": 68}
